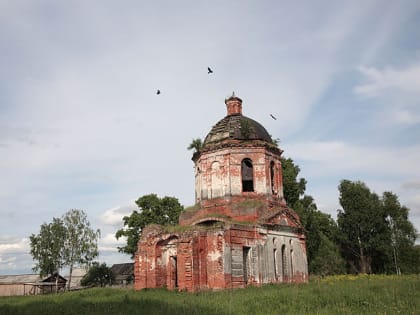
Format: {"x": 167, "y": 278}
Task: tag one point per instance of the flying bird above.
{"x": 273, "y": 117}
{"x": 158, "y": 92}
{"x": 209, "y": 70}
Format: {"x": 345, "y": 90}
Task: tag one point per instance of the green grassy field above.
{"x": 331, "y": 295}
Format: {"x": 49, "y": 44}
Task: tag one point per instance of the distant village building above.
{"x": 240, "y": 232}
{"x": 123, "y": 273}
{"x": 76, "y": 276}
{"x": 31, "y": 284}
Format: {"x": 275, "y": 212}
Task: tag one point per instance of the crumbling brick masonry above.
{"x": 240, "y": 231}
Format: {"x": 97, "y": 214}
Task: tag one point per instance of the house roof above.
{"x": 126, "y": 269}
{"x": 54, "y": 277}
{"x": 9, "y": 279}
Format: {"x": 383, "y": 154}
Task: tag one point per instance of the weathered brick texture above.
{"x": 241, "y": 231}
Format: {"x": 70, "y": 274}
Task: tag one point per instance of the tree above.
{"x": 321, "y": 232}
{"x": 320, "y": 229}
{"x": 195, "y": 144}
{"x": 47, "y": 248}
{"x": 375, "y": 233}
{"x": 98, "y": 275}
{"x": 293, "y": 188}
{"x": 81, "y": 243}
{"x": 68, "y": 241}
{"x": 363, "y": 228}
{"x": 328, "y": 259}
{"x": 152, "y": 209}
{"x": 405, "y": 257}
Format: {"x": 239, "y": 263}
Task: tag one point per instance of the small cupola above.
{"x": 233, "y": 105}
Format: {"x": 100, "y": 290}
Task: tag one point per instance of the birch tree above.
{"x": 81, "y": 243}
{"x": 47, "y": 247}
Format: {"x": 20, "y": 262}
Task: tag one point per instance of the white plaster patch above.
{"x": 214, "y": 256}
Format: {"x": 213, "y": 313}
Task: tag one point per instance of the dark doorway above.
{"x": 246, "y": 266}
{"x": 174, "y": 272}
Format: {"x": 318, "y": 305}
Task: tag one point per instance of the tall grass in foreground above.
{"x": 331, "y": 295}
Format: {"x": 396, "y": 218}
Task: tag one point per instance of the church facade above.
{"x": 240, "y": 231}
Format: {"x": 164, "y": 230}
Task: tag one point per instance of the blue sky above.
{"x": 81, "y": 126}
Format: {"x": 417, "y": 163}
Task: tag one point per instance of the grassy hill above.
{"x": 331, "y": 295}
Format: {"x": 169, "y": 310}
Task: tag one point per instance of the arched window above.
{"x": 272, "y": 177}
{"x": 276, "y": 270}
{"x": 275, "y": 264}
{"x": 291, "y": 264}
{"x": 291, "y": 260}
{"x": 283, "y": 262}
{"x": 247, "y": 175}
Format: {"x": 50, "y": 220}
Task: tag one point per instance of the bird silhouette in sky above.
{"x": 158, "y": 92}
{"x": 209, "y": 70}
{"x": 273, "y": 117}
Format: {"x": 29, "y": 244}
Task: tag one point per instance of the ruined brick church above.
{"x": 240, "y": 232}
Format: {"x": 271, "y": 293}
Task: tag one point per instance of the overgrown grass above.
{"x": 331, "y": 295}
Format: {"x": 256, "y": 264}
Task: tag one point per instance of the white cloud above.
{"x": 325, "y": 163}
{"x": 404, "y": 117}
{"x": 383, "y": 80}
{"x": 7, "y": 261}
{"x": 397, "y": 91}
{"x": 13, "y": 245}
{"x": 14, "y": 255}
{"x": 109, "y": 243}
{"x": 337, "y": 156}
{"x": 115, "y": 215}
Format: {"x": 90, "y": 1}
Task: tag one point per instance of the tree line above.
{"x": 372, "y": 233}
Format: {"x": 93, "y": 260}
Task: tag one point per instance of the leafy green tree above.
{"x": 195, "y": 144}
{"x": 375, "y": 233}
{"x": 293, "y": 188}
{"x": 327, "y": 260}
{"x": 98, "y": 275}
{"x": 363, "y": 228}
{"x": 323, "y": 252}
{"x": 81, "y": 242}
{"x": 320, "y": 229}
{"x": 47, "y": 248}
{"x": 405, "y": 257}
{"x": 68, "y": 241}
{"x": 152, "y": 209}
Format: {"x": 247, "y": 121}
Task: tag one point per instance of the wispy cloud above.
{"x": 380, "y": 81}
{"x": 338, "y": 156}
